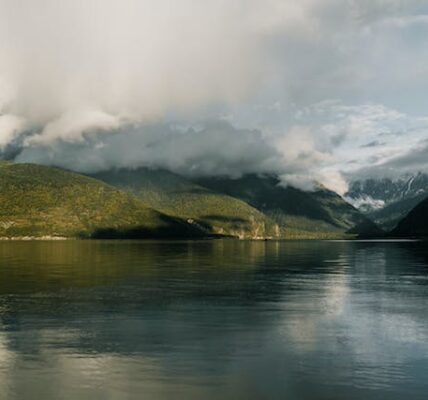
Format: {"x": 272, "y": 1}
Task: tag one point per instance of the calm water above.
{"x": 213, "y": 320}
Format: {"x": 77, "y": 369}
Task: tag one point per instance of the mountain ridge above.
{"x": 387, "y": 201}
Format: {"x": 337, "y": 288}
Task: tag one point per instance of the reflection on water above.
{"x": 213, "y": 319}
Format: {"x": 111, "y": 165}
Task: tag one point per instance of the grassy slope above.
{"x": 177, "y": 196}
{"x": 318, "y": 214}
{"x": 415, "y": 224}
{"x": 44, "y": 201}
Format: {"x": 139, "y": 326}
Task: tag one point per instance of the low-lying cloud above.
{"x": 214, "y": 149}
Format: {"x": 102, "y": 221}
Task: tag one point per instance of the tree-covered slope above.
{"x": 415, "y": 224}
{"x": 321, "y": 211}
{"x": 177, "y": 196}
{"x": 41, "y": 201}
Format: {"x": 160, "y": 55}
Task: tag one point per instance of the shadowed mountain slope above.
{"x": 415, "y": 224}
{"x": 319, "y": 211}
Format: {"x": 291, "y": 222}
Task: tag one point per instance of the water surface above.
{"x": 217, "y": 319}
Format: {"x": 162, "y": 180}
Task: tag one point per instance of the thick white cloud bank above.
{"x": 216, "y": 87}
{"x": 131, "y": 59}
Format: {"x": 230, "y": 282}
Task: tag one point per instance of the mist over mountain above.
{"x": 211, "y": 149}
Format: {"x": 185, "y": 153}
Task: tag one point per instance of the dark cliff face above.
{"x": 415, "y": 224}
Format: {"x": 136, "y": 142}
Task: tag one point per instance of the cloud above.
{"x": 107, "y": 82}
{"x": 411, "y": 160}
{"x": 373, "y": 143}
{"x": 217, "y": 148}
{"x": 71, "y": 126}
{"x": 407, "y": 21}
{"x": 363, "y": 137}
{"x": 144, "y": 60}
{"x": 11, "y": 127}
{"x": 131, "y": 59}
{"x": 214, "y": 148}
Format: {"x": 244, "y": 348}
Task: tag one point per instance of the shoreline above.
{"x": 35, "y": 238}
{"x": 258, "y": 239}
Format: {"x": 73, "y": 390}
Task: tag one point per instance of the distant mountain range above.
{"x": 387, "y": 201}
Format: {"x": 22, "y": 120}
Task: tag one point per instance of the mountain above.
{"x": 39, "y": 201}
{"x": 414, "y": 224}
{"x": 319, "y": 212}
{"x": 174, "y": 195}
{"x": 387, "y": 201}
{"x": 389, "y": 216}
{"x": 375, "y": 193}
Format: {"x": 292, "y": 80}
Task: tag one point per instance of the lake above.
{"x": 219, "y": 319}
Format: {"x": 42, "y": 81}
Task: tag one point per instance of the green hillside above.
{"x": 322, "y": 213}
{"x": 40, "y": 201}
{"x": 176, "y": 196}
{"x": 415, "y": 224}
{"x": 37, "y": 201}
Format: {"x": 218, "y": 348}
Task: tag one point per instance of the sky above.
{"x": 313, "y": 90}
